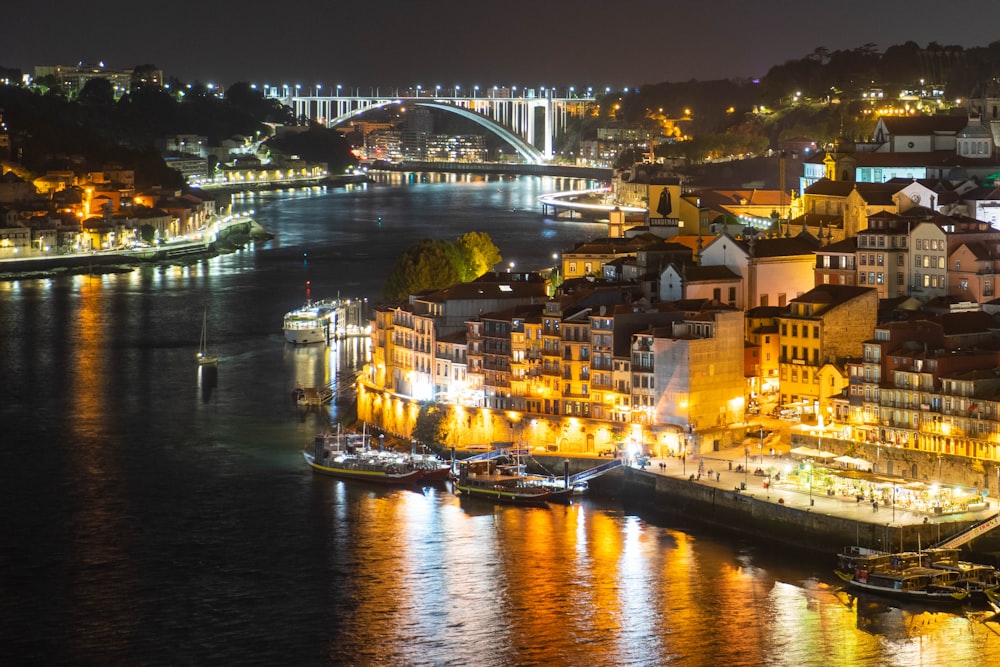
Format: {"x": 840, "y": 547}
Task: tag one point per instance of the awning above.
{"x": 811, "y": 453}
{"x": 860, "y": 464}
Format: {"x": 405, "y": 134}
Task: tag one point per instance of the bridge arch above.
{"x": 526, "y": 150}
{"x": 531, "y": 154}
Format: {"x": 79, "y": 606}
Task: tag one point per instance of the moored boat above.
{"x": 485, "y": 479}
{"x": 434, "y": 468}
{"x": 309, "y": 324}
{"x": 346, "y": 457}
{"x": 928, "y": 585}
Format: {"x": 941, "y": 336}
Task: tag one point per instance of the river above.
{"x": 153, "y": 514}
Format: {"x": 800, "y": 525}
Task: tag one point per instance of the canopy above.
{"x": 810, "y": 453}
{"x": 860, "y": 464}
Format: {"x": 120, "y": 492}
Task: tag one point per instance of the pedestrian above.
{"x": 730, "y": 465}
{"x": 718, "y": 476}
{"x": 874, "y": 506}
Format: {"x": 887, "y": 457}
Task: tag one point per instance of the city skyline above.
{"x": 448, "y": 42}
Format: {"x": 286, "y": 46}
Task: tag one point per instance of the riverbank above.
{"x": 230, "y": 238}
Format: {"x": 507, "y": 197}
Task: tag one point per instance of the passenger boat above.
{"x": 434, "y": 468}
{"x": 350, "y": 457}
{"x": 502, "y": 484}
{"x": 312, "y": 323}
{"x": 925, "y": 584}
{"x": 972, "y": 577}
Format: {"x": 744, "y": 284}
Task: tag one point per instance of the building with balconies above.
{"x": 820, "y": 331}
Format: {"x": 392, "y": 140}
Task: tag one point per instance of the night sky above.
{"x": 617, "y": 43}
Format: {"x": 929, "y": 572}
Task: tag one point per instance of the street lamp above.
{"x": 809, "y": 471}
{"x": 894, "y": 503}
{"x": 746, "y": 466}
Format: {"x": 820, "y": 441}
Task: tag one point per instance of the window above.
{"x": 795, "y": 331}
{"x": 964, "y": 285}
{"x": 899, "y": 260}
{"x": 879, "y": 279}
{"x": 588, "y": 267}
{"x": 881, "y": 259}
{"x": 861, "y": 278}
{"x": 572, "y": 267}
{"x": 717, "y": 294}
{"x": 732, "y": 294}
{"x": 816, "y": 332}
{"x": 767, "y": 339}
{"x": 958, "y": 265}
{"x": 863, "y": 261}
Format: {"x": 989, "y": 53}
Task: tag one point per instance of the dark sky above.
{"x": 531, "y": 43}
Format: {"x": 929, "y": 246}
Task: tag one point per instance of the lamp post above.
{"x": 746, "y": 466}
{"x": 809, "y": 470}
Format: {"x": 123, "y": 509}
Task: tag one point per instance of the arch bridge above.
{"x": 509, "y": 113}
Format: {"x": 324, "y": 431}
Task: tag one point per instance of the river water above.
{"x": 152, "y": 514}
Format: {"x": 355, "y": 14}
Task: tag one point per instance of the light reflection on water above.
{"x": 153, "y": 514}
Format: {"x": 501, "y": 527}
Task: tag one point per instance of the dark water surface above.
{"x": 151, "y": 514}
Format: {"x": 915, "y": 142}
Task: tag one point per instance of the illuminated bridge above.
{"x": 510, "y": 113}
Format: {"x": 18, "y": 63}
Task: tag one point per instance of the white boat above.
{"x": 312, "y": 323}
{"x": 203, "y": 358}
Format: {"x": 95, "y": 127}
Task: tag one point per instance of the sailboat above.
{"x": 203, "y": 358}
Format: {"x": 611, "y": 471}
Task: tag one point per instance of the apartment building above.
{"x": 820, "y": 331}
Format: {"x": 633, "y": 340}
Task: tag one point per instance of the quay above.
{"x": 231, "y": 231}
{"x": 672, "y": 487}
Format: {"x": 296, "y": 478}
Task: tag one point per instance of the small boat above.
{"x": 485, "y": 479}
{"x": 312, "y": 396}
{"x": 350, "y": 457}
{"x": 203, "y": 358}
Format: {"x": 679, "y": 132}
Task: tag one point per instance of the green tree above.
{"x": 428, "y": 264}
{"x": 431, "y": 427}
{"x": 479, "y": 254}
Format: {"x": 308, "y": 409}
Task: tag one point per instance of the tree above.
{"x": 431, "y": 427}
{"x": 97, "y": 92}
{"x": 426, "y": 265}
{"x": 479, "y": 254}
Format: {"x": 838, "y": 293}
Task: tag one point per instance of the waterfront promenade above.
{"x": 725, "y": 476}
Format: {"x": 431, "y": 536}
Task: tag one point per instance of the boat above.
{"x": 925, "y": 584}
{"x": 972, "y": 577}
{"x": 350, "y": 457}
{"x": 203, "y": 357}
{"x": 309, "y": 324}
{"x": 312, "y": 396}
{"x": 499, "y": 483}
{"x": 434, "y": 468}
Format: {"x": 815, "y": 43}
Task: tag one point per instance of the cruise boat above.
{"x": 350, "y": 457}
{"x": 923, "y": 584}
{"x": 312, "y": 323}
{"x": 501, "y": 484}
